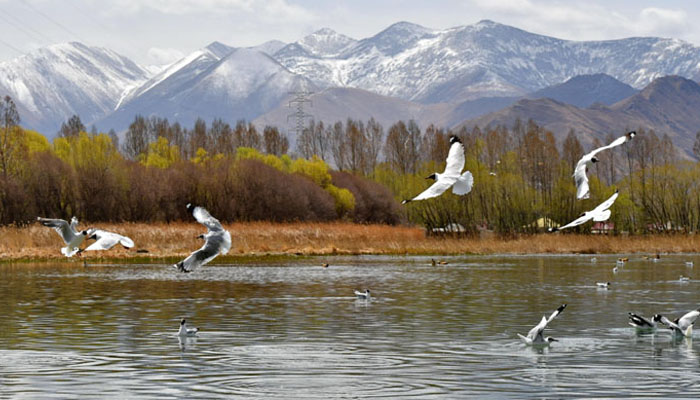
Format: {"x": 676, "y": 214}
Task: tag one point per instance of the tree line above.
{"x": 522, "y": 175}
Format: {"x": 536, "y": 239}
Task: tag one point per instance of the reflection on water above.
{"x": 295, "y": 330}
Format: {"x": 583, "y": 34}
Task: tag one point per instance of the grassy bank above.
{"x": 170, "y": 242}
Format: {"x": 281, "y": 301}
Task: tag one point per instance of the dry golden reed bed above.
{"x": 167, "y": 242}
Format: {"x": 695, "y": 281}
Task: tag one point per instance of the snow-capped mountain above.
{"x": 54, "y": 83}
{"x": 486, "y": 59}
{"x": 239, "y": 85}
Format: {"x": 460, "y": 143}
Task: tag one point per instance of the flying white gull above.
{"x": 106, "y": 240}
{"x": 461, "y": 183}
{"x": 642, "y": 323}
{"x": 216, "y": 240}
{"x": 582, "y": 166}
{"x": 682, "y": 326}
{"x": 69, "y": 233}
{"x": 536, "y": 334}
{"x": 600, "y": 213}
{"x": 363, "y": 295}
{"x": 185, "y": 331}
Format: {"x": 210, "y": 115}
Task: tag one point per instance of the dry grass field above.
{"x": 168, "y": 242}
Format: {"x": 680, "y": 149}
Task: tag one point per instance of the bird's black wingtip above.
{"x": 551, "y": 230}
{"x": 405, "y": 201}
{"x": 631, "y": 134}
{"x": 455, "y": 139}
{"x": 190, "y": 207}
{"x": 561, "y": 307}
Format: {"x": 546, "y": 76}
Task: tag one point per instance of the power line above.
{"x": 19, "y": 25}
{"x": 58, "y": 24}
{"x": 20, "y": 52}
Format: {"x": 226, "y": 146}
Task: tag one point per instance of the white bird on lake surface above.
{"x": 363, "y": 295}
{"x": 185, "y": 331}
{"x": 682, "y": 326}
{"x": 600, "y": 213}
{"x": 106, "y": 240}
{"x": 615, "y": 269}
{"x": 461, "y": 183}
{"x": 689, "y": 264}
{"x": 684, "y": 278}
{"x": 536, "y": 334}
{"x": 603, "y": 285}
{"x": 582, "y": 191}
{"x": 216, "y": 240}
{"x": 642, "y": 323}
{"x": 68, "y": 232}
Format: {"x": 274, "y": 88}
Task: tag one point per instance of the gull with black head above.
{"x": 68, "y": 232}
{"x": 217, "y": 241}
{"x": 461, "y": 183}
{"x": 580, "y": 176}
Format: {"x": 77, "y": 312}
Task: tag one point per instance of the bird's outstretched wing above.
{"x": 59, "y": 225}
{"x": 578, "y": 221}
{"x": 622, "y": 139}
{"x": 436, "y": 189}
{"x": 464, "y": 184}
{"x": 582, "y": 190}
{"x": 606, "y": 204}
{"x": 203, "y": 217}
{"x": 688, "y": 319}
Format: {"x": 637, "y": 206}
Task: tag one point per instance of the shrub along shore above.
{"x": 165, "y": 243}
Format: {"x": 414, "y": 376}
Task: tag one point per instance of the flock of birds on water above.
{"x": 217, "y": 240}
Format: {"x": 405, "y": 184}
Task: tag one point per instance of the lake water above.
{"x": 294, "y": 330}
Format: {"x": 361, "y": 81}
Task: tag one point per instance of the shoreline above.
{"x": 261, "y": 241}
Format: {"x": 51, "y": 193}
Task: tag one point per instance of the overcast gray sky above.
{"x": 155, "y": 32}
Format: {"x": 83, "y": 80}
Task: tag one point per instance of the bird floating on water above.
{"x": 185, "y": 331}
{"x": 615, "y": 269}
{"x": 324, "y": 265}
{"x": 536, "y": 335}
{"x": 689, "y": 264}
{"x": 622, "y": 260}
{"x": 582, "y": 190}
{"x": 600, "y": 213}
{"x": 684, "y": 278}
{"x": 682, "y": 326}
{"x": 363, "y": 295}
{"x": 642, "y": 323}
{"x": 594, "y": 260}
{"x": 461, "y": 183}
{"x": 217, "y": 241}
{"x": 68, "y": 232}
{"x": 603, "y": 285}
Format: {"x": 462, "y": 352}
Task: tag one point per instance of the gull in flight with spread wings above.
{"x": 600, "y": 213}
{"x": 461, "y": 183}
{"x": 106, "y": 240}
{"x": 536, "y": 334}
{"x": 580, "y": 176}
{"x": 217, "y": 240}
{"x": 68, "y": 232}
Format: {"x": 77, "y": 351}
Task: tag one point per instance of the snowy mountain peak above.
{"x": 58, "y": 81}
{"x": 395, "y": 39}
{"x": 219, "y": 50}
{"x": 325, "y": 42}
